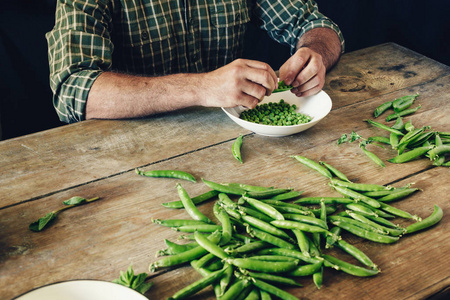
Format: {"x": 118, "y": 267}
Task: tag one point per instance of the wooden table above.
{"x": 98, "y": 158}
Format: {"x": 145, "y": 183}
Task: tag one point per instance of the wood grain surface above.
{"x": 98, "y": 158}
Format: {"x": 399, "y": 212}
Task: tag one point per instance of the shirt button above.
{"x": 144, "y": 35}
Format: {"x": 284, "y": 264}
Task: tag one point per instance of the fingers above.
{"x": 305, "y": 71}
{"x": 240, "y": 83}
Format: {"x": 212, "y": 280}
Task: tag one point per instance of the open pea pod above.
{"x": 282, "y": 87}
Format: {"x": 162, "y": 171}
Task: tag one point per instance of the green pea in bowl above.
{"x": 316, "y": 107}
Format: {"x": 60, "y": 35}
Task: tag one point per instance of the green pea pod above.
{"x": 382, "y": 108}
{"x": 306, "y": 270}
{"x": 409, "y": 126}
{"x": 369, "y": 235}
{"x": 404, "y": 102}
{"x": 355, "y": 195}
{"x": 346, "y": 267}
{"x": 211, "y": 247}
{"x": 264, "y": 208}
{"x": 438, "y": 151}
{"x": 223, "y": 188}
{"x": 269, "y": 238}
{"x": 362, "y": 187}
{"x": 356, "y": 253}
{"x": 439, "y": 160}
{"x": 263, "y": 266}
{"x": 224, "y": 219}
{"x": 308, "y": 219}
{"x": 403, "y": 113}
{"x": 264, "y": 226}
{"x": 235, "y": 289}
{"x": 274, "y": 278}
{"x": 313, "y": 165}
{"x": 197, "y": 286}
{"x": 433, "y": 219}
{"x": 398, "y": 194}
{"x": 286, "y": 196}
{"x": 237, "y": 145}
{"x": 190, "y": 207}
{"x": 292, "y": 253}
{"x": 289, "y": 224}
{"x": 282, "y": 87}
{"x": 379, "y": 139}
{"x": 167, "y": 174}
{"x": 185, "y": 256}
{"x": 410, "y": 155}
{"x": 335, "y": 171}
{"x": 393, "y": 140}
{"x": 267, "y": 193}
{"x": 372, "y": 156}
{"x": 197, "y": 200}
{"x": 271, "y": 289}
{"x": 385, "y": 127}
{"x": 399, "y": 125}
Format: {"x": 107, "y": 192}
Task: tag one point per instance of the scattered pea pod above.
{"x": 167, "y": 174}
{"x": 237, "y": 145}
{"x": 433, "y": 219}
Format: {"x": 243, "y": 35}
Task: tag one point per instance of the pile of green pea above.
{"x": 276, "y": 114}
{"x": 266, "y": 237}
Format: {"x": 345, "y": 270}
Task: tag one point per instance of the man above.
{"x": 124, "y": 59}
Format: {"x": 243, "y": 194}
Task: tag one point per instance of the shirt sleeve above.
{"x": 79, "y": 50}
{"x": 287, "y": 20}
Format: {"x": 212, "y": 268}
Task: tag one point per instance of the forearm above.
{"x": 325, "y": 42}
{"x": 119, "y": 96}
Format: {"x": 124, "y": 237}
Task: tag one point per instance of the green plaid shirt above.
{"x": 158, "y": 38}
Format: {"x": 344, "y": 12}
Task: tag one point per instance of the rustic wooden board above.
{"x": 97, "y": 158}
{"x": 121, "y": 232}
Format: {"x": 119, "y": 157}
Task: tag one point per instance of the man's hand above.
{"x": 241, "y": 82}
{"x": 305, "y": 71}
{"x": 317, "y": 51}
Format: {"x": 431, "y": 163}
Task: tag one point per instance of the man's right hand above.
{"x": 242, "y": 82}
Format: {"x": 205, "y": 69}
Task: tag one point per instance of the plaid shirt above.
{"x": 158, "y": 38}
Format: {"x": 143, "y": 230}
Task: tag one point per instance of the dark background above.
{"x": 25, "y": 95}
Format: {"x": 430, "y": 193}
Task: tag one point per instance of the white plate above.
{"x": 82, "y": 290}
{"x": 317, "y": 107}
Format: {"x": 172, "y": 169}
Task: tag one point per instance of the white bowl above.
{"x": 317, "y": 107}
{"x": 82, "y": 290}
